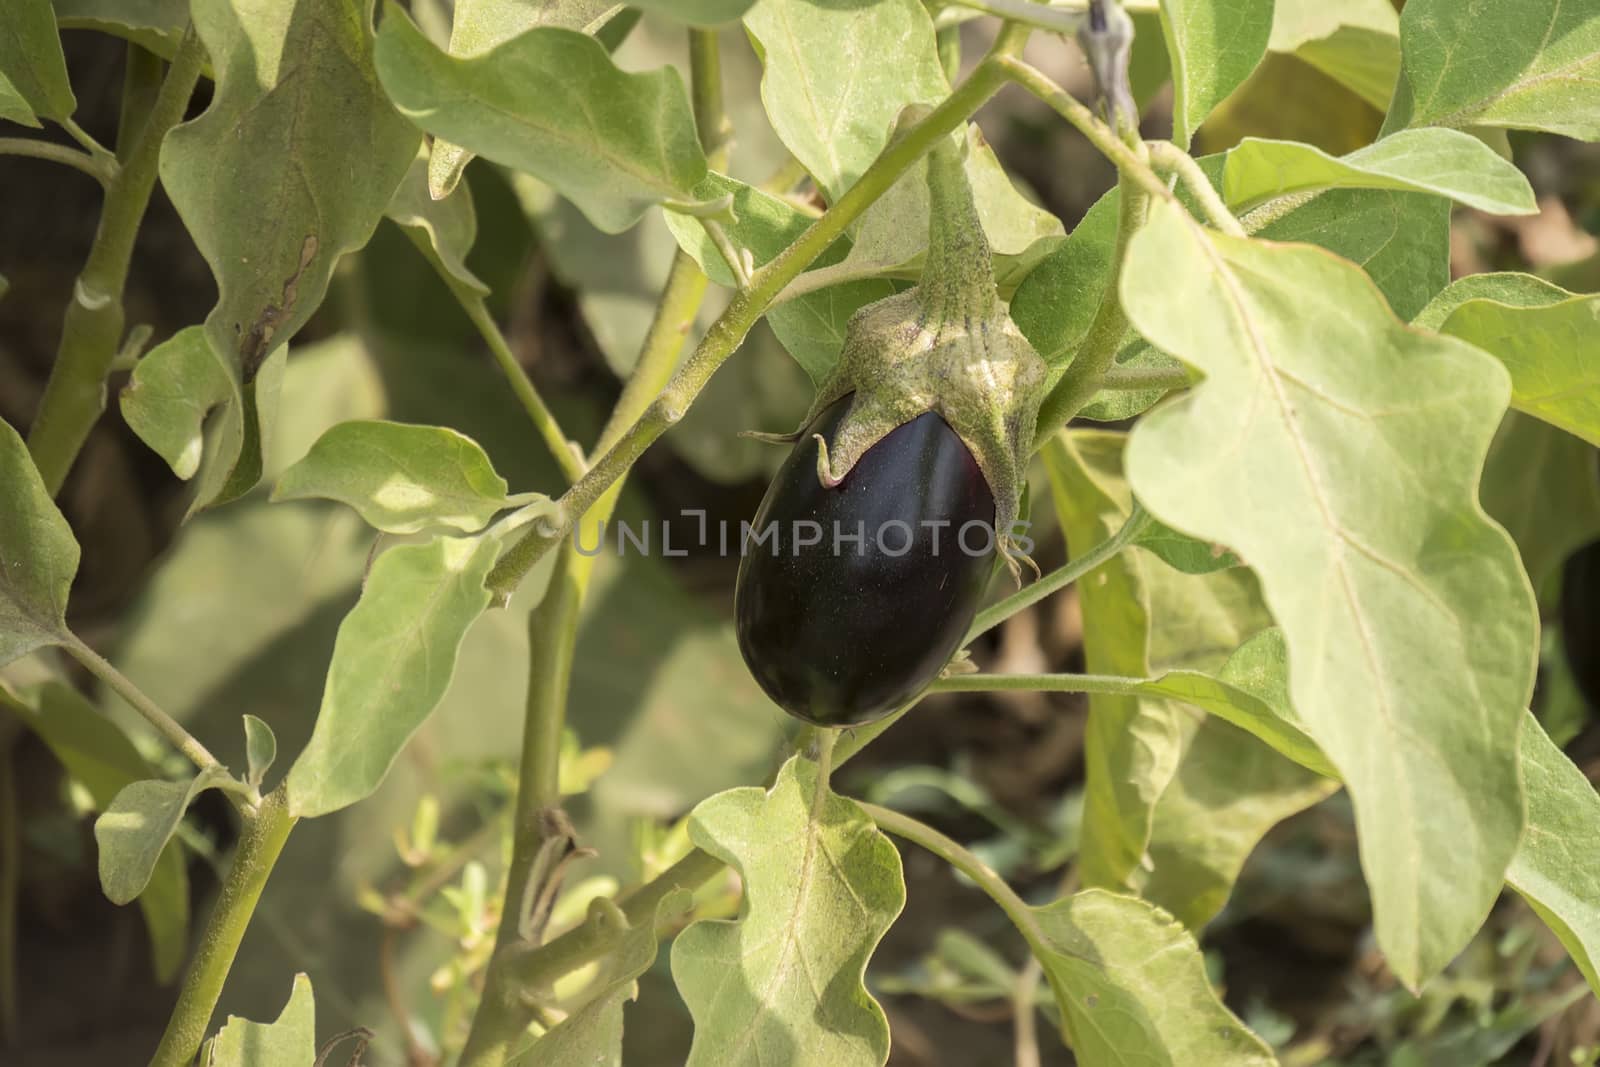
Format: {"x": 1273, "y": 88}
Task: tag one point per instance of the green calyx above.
{"x": 946, "y": 345}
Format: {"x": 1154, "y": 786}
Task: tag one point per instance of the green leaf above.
{"x": 31, "y": 59}
{"x": 763, "y": 224}
{"x": 1230, "y": 789}
{"x": 479, "y": 26}
{"x": 1552, "y": 352}
{"x": 551, "y": 102}
{"x": 1402, "y": 239}
{"x": 137, "y": 825}
{"x": 169, "y": 400}
{"x": 291, "y": 1041}
{"x": 699, "y": 12}
{"x": 1250, "y": 692}
{"x": 13, "y": 108}
{"x": 261, "y": 749}
{"x": 1556, "y": 868}
{"x": 98, "y": 756}
{"x": 1132, "y": 988}
{"x": 1517, "y": 290}
{"x": 1131, "y": 746}
{"x": 828, "y": 91}
{"x": 1354, "y": 42}
{"x": 449, "y": 223}
{"x": 170, "y": 393}
{"x": 1543, "y": 485}
{"x": 1214, "y": 46}
{"x": 38, "y": 555}
{"x": 592, "y": 1035}
{"x": 783, "y": 983}
{"x": 153, "y": 24}
{"x": 401, "y": 478}
{"x": 391, "y": 663}
{"x": 264, "y": 183}
{"x": 1184, "y": 553}
{"x": 1524, "y": 64}
{"x": 1446, "y": 162}
{"x": 1407, "y": 616}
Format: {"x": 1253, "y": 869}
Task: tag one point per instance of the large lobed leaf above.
{"x": 290, "y": 167}
{"x": 1556, "y": 868}
{"x": 828, "y": 90}
{"x": 38, "y": 555}
{"x": 1338, "y": 452}
{"x": 552, "y": 103}
{"x": 1526, "y": 64}
{"x": 783, "y": 983}
{"x": 1214, "y": 46}
{"x": 392, "y": 661}
{"x": 1132, "y": 988}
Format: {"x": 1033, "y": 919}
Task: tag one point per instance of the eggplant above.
{"x": 843, "y": 632}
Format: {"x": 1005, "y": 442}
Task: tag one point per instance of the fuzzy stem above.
{"x": 120, "y": 684}
{"x": 560, "y": 445}
{"x": 1040, "y": 683}
{"x": 259, "y": 847}
{"x": 953, "y": 853}
{"x": 1168, "y": 157}
{"x": 958, "y": 274}
{"x": 726, "y": 334}
{"x": 76, "y": 393}
{"x": 1142, "y": 379}
{"x": 94, "y": 167}
{"x": 1059, "y": 578}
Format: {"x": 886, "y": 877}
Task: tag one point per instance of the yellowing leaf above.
{"x": 1408, "y": 619}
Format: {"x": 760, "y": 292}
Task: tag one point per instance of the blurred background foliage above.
{"x": 390, "y": 906}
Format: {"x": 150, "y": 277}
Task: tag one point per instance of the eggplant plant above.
{"x": 1323, "y": 511}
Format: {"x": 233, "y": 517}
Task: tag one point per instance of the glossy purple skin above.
{"x": 844, "y": 638}
{"x": 1580, "y": 619}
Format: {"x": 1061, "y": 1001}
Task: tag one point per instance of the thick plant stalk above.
{"x": 263, "y": 839}
{"x": 92, "y": 330}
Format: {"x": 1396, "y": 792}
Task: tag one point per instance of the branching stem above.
{"x": 1168, "y": 157}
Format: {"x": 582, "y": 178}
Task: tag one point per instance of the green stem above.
{"x": 1028, "y": 13}
{"x": 1059, "y": 578}
{"x": 95, "y": 168}
{"x": 726, "y": 334}
{"x": 1127, "y": 159}
{"x": 259, "y": 846}
{"x": 1146, "y": 379}
{"x": 984, "y": 876}
{"x": 1085, "y": 375}
{"x": 120, "y": 684}
{"x": 560, "y": 445}
{"x": 504, "y": 1010}
{"x": 1040, "y": 683}
{"x": 1166, "y": 156}
{"x": 82, "y": 136}
{"x": 76, "y": 393}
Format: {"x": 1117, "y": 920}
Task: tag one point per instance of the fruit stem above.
{"x": 958, "y": 275}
